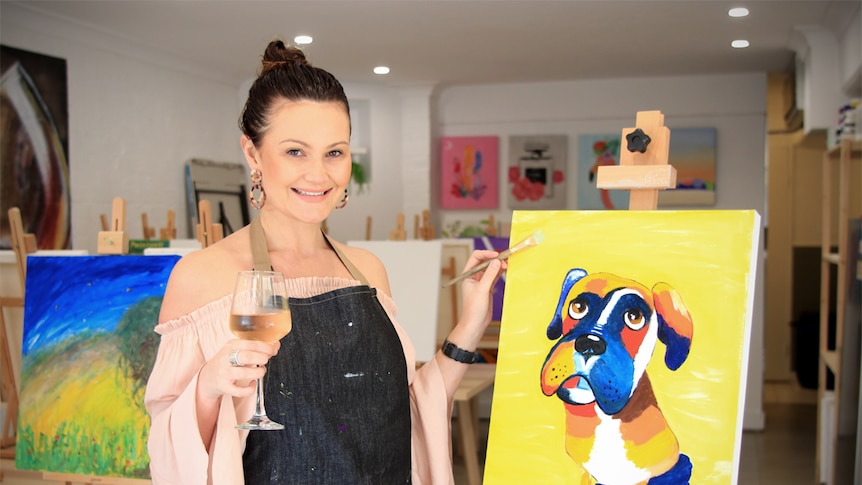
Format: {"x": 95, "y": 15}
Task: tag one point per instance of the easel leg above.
{"x": 7, "y": 433}
{"x": 643, "y": 199}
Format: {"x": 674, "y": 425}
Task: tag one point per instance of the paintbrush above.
{"x": 534, "y": 239}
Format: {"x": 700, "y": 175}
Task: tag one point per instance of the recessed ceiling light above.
{"x": 303, "y": 39}
{"x": 739, "y": 44}
{"x": 738, "y": 12}
{"x": 381, "y": 70}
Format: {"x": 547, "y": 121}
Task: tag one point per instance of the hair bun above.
{"x": 277, "y": 55}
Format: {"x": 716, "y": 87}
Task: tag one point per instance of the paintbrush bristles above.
{"x": 536, "y": 238}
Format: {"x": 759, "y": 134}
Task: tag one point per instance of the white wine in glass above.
{"x": 259, "y": 311}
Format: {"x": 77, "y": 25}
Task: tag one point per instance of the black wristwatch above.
{"x": 458, "y": 354}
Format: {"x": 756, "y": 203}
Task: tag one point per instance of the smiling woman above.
{"x": 344, "y": 381}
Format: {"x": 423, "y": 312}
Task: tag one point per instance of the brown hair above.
{"x": 285, "y": 73}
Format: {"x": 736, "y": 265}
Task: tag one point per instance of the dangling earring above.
{"x": 343, "y": 200}
{"x": 256, "y": 201}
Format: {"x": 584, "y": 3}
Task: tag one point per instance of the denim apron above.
{"x": 339, "y": 387}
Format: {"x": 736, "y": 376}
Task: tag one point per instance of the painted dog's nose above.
{"x": 589, "y": 344}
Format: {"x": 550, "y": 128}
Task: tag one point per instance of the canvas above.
{"x": 468, "y": 176}
{"x": 537, "y": 171}
{"x": 88, "y": 350}
{"x": 414, "y": 269}
{"x": 596, "y": 151}
{"x": 624, "y": 348}
{"x": 34, "y": 147}
{"x": 495, "y": 244}
{"x": 692, "y": 154}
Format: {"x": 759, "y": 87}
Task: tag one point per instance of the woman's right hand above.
{"x": 220, "y": 377}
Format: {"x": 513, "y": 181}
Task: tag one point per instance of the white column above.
{"x": 416, "y": 155}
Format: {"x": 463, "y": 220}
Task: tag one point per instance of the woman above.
{"x": 389, "y": 422}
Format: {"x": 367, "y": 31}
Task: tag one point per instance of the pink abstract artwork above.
{"x": 469, "y": 175}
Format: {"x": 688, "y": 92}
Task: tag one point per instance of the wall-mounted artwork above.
{"x": 469, "y": 172}
{"x": 624, "y": 348}
{"x": 692, "y": 154}
{"x": 537, "y": 172}
{"x": 596, "y": 151}
{"x": 88, "y": 350}
{"x": 34, "y": 147}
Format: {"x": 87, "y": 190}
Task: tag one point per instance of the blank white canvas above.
{"x": 414, "y": 278}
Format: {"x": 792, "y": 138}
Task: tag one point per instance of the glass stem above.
{"x": 259, "y": 409}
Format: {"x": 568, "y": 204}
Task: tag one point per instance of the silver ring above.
{"x": 234, "y": 361}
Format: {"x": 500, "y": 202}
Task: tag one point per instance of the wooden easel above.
{"x": 643, "y": 168}
{"x": 398, "y": 234}
{"x": 22, "y": 245}
{"x": 491, "y": 228}
{"x": 426, "y": 231}
{"x": 208, "y": 233}
{"x": 115, "y": 240}
{"x": 170, "y": 231}
{"x": 69, "y": 479}
{"x": 148, "y": 231}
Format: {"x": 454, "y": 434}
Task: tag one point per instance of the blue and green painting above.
{"x": 87, "y": 352}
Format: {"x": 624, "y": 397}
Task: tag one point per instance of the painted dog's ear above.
{"x": 555, "y": 329}
{"x": 675, "y": 327}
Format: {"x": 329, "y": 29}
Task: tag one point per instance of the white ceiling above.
{"x": 464, "y": 41}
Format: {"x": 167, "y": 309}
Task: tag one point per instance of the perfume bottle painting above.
{"x": 537, "y": 172}
{"x": 35, "y": 173}
{"x": 538, "y": 167}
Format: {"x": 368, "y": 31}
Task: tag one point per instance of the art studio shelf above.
{"x": 839, "y": 306}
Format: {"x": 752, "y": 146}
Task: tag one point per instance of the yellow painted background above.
{"x": 707, "y": 256}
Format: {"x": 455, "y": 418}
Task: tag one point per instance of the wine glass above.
{"x": 259, "y": 312}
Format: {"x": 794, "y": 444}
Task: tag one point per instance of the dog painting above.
{"x": 623, "y": 352}
{"x": 609, "y": 327}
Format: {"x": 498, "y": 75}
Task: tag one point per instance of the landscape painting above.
{"x": 88, "y": 349}
{"x": 624, "y": 348}
{"x": 692, "y": 154}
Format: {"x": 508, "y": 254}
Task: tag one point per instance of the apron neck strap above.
{"x": 354, "y": 271}
{"x": 258, "y": 247}
{"x": 260, "y": 253}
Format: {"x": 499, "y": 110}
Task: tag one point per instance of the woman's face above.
{"x": 304, "y": 157}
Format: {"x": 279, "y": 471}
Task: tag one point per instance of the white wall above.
{"x": 383, "y": 198}
{"x": 734, "y": 104}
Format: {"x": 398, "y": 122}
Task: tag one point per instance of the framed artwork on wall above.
{"x": 469, "y": 172}
{"x": 692, "y": 154}
{"x": 595, "y": 151}
{"x": 537, "y": 172}
{"x": 34, "y": 147}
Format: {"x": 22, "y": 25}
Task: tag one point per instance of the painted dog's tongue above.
{"x": 576, "y": 382}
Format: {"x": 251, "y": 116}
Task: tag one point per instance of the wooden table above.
{"x": 478, "y": 378}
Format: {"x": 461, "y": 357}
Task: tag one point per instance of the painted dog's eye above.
{"x": 634, "y": 318}
{"x": 578, "y": 308}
